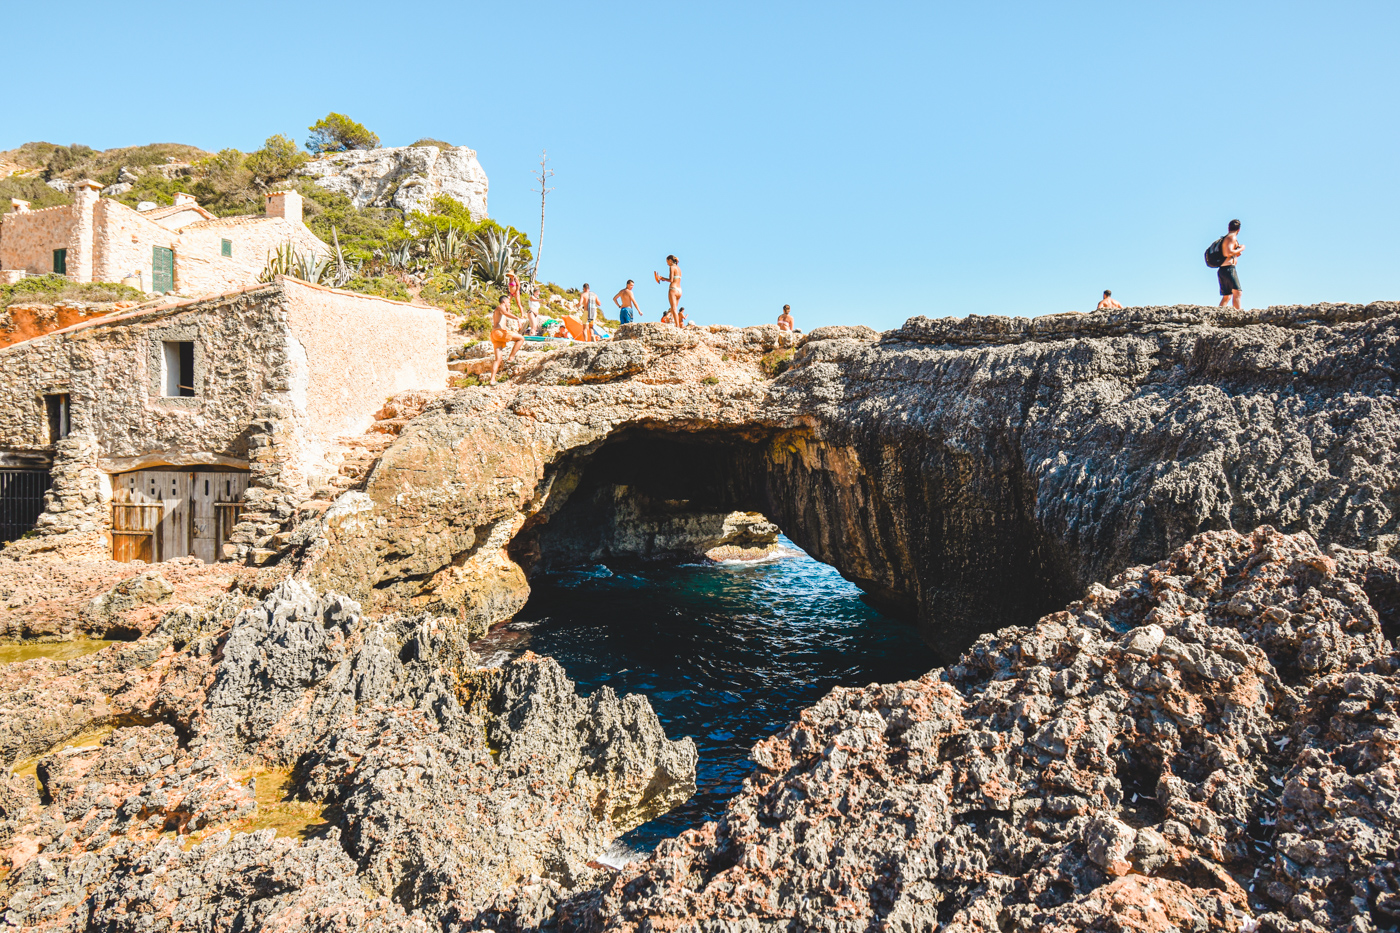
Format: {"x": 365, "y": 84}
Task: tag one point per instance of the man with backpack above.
{"x": 1222, "y": 256}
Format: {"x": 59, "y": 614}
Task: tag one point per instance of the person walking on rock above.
{"x": 626, "y": 303}
{"x": 1229, "y": 273}
{"x": 785, "y": 319}
{"x": 673, "y": 294}
{"x": 1109, "y": 303}
{"x": 501, "y": 335}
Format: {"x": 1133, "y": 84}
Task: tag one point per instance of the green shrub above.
{"x": 49, "y": 289}
{"x": 335, "y": 132}
{"x": 277, "y": 160}
{"x": 776, "y": 362}
{"x": 361, "y": 231}
{"x": 30, "y": 188}
{"x": 463, "y": 382}
{"x": 711, "y": 380}
{"x": 435, "y": 143}
{"x": 385, "y": 286}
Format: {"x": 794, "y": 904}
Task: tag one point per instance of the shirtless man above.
{"x": 785, "y": 319}
{"x": 1228, "y": 274}
{"x": 626, "y": 303}
{"x": 1108, "y": 302}
{"x": 588, "y": 305}
{"x": 502, "y": 333}
{"x": 673, "y": 295}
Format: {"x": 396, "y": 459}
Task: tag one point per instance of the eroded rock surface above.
{"x": 972, "y": 473}
{"x": 432, "y": 784}
{"x": 404, "y": 177}
{"x": 1206, "y": 743}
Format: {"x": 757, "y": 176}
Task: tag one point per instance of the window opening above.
{"x": 60, "y": 423}
{"x": 60, "y": 261}
{"x": 206, "y": 487}
{"x": 226, "y": 248}
{"x": 177, "y": 368}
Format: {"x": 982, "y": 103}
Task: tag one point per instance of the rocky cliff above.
{"x": 407, "y": 177}
{"x": 293, "y": 765}
{"x": 971, "y": 473}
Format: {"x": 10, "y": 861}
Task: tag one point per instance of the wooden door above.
{"x": 136, "y": 514}
{"x": 164, "y": 514}
{"x": 162, "y": 270}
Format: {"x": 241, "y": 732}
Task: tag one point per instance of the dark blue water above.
{"x": 727, "y": 653}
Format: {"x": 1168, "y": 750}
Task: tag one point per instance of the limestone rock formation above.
{"x": 970, "y": 473}
{"x": 388, "y": 731}
{"x": 406, "y": 177}
{"x": 1206, "y": 743}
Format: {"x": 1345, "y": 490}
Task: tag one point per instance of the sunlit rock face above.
{"x": 406, "y": 177}
{"x": 970, "y": 473}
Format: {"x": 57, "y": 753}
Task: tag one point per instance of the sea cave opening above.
{"x": 655, "y": 569}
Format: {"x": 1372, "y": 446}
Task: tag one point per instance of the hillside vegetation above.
{"x": 441, "y": 256}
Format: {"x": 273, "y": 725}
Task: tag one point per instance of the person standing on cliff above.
{"x": 1109, "y": 303}
{"x": 673, "y": 293}
{"x": 502, "y": 334}
{"x": 626, "y": 303}
{"x": 1228, "y": 273}
{"x": 785, "y": 319}
{"x": 588, "y": 307}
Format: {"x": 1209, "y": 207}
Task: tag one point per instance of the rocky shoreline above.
{"x": 1154, "y": 543}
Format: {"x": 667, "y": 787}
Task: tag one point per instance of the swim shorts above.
{"x": 592, "y": 313}
{"x": 1229, "y": 280}
{"x": 499, "y": 338}
{"x": 624, "y": 315}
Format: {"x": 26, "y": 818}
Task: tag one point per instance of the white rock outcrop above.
{"x": 407, "y": 177}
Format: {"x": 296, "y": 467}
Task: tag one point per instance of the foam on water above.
{"x": 727, "y": 653}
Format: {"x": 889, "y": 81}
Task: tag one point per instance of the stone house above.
{"x": 181, "y": 249}
{"x": 201, "y": 426}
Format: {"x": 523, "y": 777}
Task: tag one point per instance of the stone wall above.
{"x": 111, "y": 370}
{"x": 28, "y": 238}
{"x": 124, "y": 243}
{"x": 342, "y": 386}
{"x": 200, "y": 267}
{"x": 76, "y": 503}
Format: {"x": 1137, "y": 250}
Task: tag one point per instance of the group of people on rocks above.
{"x": 506, "y": 327}
{"x": 1222, "y": 256}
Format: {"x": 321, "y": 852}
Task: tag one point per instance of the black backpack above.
{"x": 1215, "y": 254}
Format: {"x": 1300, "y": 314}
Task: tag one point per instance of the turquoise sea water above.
{"x": 728, "y": 654}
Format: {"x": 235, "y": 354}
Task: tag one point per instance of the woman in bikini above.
{"x": 502, "y": 335}
{"x": 513, "y": 289}
{"x": 674, "y": 294}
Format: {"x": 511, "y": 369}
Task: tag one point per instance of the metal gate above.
{"x": 21, "y": 501}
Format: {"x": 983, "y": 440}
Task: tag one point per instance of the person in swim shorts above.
{"x": 1228, "y": 273}
{"x": 588, "y": 305}
{"x": 626, "y": 303}
{"x": 785, "y": 319}
{"x": 673, "y": 294}
{"x": 502, "y": 334}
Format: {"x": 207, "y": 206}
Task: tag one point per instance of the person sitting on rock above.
{"x": 501, "y": 334}
{"x": 1109, "y": 303}
{"x": 785, "y": 319}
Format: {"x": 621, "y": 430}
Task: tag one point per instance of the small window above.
{"x": 177, "y": 368}
{"x": 60, "y": 423}
{"x": 226, "y": 248}
{"x": 60, "y": 262}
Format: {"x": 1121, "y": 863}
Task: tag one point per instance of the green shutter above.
{"x": 162, "y": 270}
{"x": 226, "y": 247}
{"x": 60, "y": 261}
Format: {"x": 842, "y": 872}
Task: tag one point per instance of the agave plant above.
{"x": 446, "y": 249}
{"x": 496, "y": 253}
{"x": 400, "y": 256}
{"x": 307, "y": 266}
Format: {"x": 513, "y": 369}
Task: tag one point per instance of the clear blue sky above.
{"x": 864, "y": 162}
